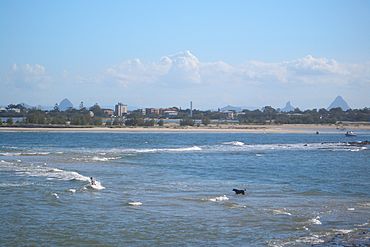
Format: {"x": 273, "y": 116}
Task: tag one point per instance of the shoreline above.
{"x": 278, "y": 129}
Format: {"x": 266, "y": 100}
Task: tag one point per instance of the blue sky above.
{"x": 165, "y": 53}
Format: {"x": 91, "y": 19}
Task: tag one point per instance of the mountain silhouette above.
{"x": 339, "y": 102}
{"x": 288, "y": 107}
{"x": 65, "y": 105}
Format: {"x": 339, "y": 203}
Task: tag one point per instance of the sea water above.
{"x": 175, "y": 189}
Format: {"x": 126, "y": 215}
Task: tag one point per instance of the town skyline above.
{"x": 244, "y": 53}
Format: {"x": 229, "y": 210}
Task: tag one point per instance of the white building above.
{"x": 120, "y": 109}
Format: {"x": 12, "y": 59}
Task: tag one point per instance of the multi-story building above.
{"x": 120, "y": 109}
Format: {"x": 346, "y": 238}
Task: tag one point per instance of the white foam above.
{"x": 23, "y": 154}
{"x": 96, "y": 158}
{"x": 135, "y": 203}
{"x": 44, "y": 171}
{"x": 234, "y": 143}
{"x": 281, "y": 212}
{"x": 219, "y": 198}
{"x": 96, "y": 186}
{"x": 315, "y": 221}
{"x": 313, "y": 239}
{"x": 72, "y": 190}
{"x": 351, "y": 209}
{"x": 343, "y": 231}
{"x": 154, "y": 150}
{"x": 55, "y": 195}
{"x": 4, "y": 185}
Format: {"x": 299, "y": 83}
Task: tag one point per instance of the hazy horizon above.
{"x": 163, "y": 54}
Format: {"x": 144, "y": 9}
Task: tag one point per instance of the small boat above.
{"x": 350, "y": 133}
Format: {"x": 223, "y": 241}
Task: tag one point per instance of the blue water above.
{"x": 301, "y": 189}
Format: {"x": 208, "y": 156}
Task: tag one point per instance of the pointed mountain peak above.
{"x": 339, "y": 102}
{"x": 65, "y": 104}
{"x": 288, "y": 107}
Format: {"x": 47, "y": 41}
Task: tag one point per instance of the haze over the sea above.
{"x": 168, "y": 53}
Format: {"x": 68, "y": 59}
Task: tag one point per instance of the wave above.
{"x": 258, "y": 148}
{"x": 234, "y": 143}
{"x": 41, "y": 170}
{"x": 166, "y": 150}
{"x": 315, "y": 221}
{"x": 23, "y": 153}
{"x": 96, "y": 186}
{"x": 135, "y": 203}
{"x": 97, "y": 158}
{"x": 281, "y": 212}
{"x": 5, "y": 185}
{"x": 219, "y": 198}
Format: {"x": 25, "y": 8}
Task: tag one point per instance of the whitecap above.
{"x": 313, "y": 239}
{"x": 219, "y": 198}
{"x": 55, "y": 195}
{"x": 315, "y": 221}
{"x": 158, "y": 150}
{"x": 96, "y": 158}
{"x": 135, "y": 203}
{"x": 281, "y": 212}
{"x": 96, "y": 186}
{"x": 234, "y": 143}
{"x": 72, "y": 190}
{"x": 351, "y": 209}
{"x": 343, "y": 231}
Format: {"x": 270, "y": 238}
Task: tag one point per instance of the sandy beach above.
{"x": 291, "y": 128}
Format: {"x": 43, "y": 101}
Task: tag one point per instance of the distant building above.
{"x": 152, "y": 111}
{"x": 108, "y": 112}
{"x": 169, "y": 112}
{"x": 16, "y": 110}
{"x": 120, "y": 109}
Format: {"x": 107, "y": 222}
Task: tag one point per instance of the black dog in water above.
{"x": 239, "y": 191}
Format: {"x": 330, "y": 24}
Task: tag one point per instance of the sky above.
{"x": 167, "y": 53}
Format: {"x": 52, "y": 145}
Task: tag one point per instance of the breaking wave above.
{"x": 234, "y": 143}
{"x": 41, "y": 170}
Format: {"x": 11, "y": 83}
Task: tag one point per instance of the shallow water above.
{"x": 167, "y": 189}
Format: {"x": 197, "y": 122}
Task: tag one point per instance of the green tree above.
{"x": 206, "y": 121}
{"x": 160, "y": 123}
{"x": 98, "y": 112}
{"x": 9, "y": 121}
{"x": 186, "y": 122}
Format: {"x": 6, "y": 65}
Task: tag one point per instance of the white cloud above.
{"x": 182, "y": 77}
{"x": 27, "y": 75}
{"x": 183, "y": 68}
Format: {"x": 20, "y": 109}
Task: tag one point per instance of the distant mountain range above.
{"x": 339, "y": 102}
{"x": 231, "y": 108}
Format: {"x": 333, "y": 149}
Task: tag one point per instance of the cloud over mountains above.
{"x": 185, "y": 68}
{"x": 179, "y": 77}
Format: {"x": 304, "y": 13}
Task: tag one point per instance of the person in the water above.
{"x": 92, "y": 181}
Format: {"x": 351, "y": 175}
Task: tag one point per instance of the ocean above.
{"x": 175, "y": 189}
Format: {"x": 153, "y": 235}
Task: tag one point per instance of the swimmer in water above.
{"x": 92, "y": 181}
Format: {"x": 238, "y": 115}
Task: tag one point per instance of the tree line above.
{"x": 95, "y": 116}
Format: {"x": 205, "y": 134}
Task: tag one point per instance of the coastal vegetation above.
{"x": 19, "y": 115}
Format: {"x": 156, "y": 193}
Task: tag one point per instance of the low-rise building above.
{"x": 152, "y": 111}
{"x": 108, "y": 112}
